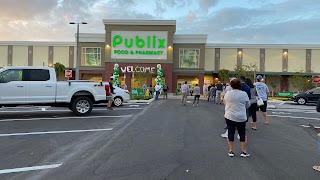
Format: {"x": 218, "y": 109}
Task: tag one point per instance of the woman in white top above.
{"x": 236, "y": 103}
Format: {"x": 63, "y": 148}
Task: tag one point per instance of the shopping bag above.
{"x": 259, "y": 102}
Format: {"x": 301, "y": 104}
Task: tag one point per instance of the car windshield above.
{"x": 314, "y": 90}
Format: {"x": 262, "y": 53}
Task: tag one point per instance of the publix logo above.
{"x": 139, "y": 45}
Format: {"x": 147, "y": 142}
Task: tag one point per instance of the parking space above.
{"x": 37, "y": 138}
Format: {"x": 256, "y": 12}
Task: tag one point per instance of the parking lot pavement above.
{"x": 162, "y": 140}
{"x": 35, "y": 139}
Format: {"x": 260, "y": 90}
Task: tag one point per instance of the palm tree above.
{"x": 59, "y": 68}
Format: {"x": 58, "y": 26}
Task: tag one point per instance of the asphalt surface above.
{"x": 162, "y": 140}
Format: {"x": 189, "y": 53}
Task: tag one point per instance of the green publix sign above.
{"x": 143, "y": 46}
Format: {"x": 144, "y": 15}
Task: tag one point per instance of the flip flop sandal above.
{"x": 317, "y": 168}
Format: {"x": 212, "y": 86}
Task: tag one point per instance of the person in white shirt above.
{"x": 157, "y": 89}
{"x": 184, "y": 91}
{"x": 205, "y": 91}
{"x": 236, "y": 102}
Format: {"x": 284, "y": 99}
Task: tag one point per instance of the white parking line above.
{"x": 54, "y": 132}
{"x": 296, "y": 117}
{"x": 32, "y": 168}
{"x": 65, "y": 110}
{"x": 77, "y": 117}
{"x": 307, "y": 126}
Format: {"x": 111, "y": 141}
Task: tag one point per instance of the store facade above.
{"x": 139, "y": 46}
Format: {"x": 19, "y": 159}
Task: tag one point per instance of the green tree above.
{"x": 273, "y": 81}
{"x": 245, "y": 70}
{"x": 141, "y": 77}
{"x": 301, "y": 81}
{"x": 59, "y": 68}
{"x": 223, "y": 75}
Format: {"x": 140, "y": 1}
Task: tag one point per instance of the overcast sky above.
{"x": 225, "y": 21}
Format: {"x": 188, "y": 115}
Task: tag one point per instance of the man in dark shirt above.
{"x": 245, "y": 87}
{"x": 219, "y": 87}
{"x": 209, "y": 87}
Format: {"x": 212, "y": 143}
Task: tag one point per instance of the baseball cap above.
{"x": 259, "y": 77}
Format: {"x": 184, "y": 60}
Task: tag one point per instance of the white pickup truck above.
{"x": 28, "y": 85}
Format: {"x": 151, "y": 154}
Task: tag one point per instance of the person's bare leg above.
{"x": 254, "y": 125}
{"x": 109, "y": 103}
{"x": 265, "y": 116}
{"x": 243, "y": 147}
{"x": 231, "y": 146}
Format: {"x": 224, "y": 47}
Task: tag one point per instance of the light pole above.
{"x": 77, "y": 56}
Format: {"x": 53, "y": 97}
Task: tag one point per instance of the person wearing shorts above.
{"x": 262, "y": 91}
{"x": 110, "y": 97}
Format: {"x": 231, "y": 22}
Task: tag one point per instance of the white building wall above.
{"x": 209, "y": 59}
{"x": 251, "y": 57}
{"x": 296, "y": 60}
{"x": 3, "y": 56}
{"x": 273, "y": 60}
{"x": 20, "y": 56}
{"x": 228, "y": 59}
{"x": 40, "y": 55}
{"x": 315, "y": 61}
{"x": 61, "y": 55}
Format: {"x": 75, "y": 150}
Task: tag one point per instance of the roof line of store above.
{"x": 259, "y": 46}
{"x": 39, "y": 43}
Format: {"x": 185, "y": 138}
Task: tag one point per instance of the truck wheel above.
{"x": 117, "y": 101}
{"x": 82, "y": 106}
{"x": 318, "y": 106}
{"x": 301, "y": 101}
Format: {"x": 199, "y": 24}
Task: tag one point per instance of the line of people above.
{"x": 241, "y": 103}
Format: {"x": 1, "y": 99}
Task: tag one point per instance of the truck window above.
{"x": 11, "y": 75}
{"x": 36, "y": 75}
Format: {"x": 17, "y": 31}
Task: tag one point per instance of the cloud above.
{"x": 24, "y": 10}
{"x": 207, "y": 4}
{"x": 261, "y": 21}
{"x": 192, "y": 15}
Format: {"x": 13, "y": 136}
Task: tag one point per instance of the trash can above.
{"x": 177, "y": 92}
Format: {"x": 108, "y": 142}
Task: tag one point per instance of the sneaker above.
{"x": 317, "y": 168}
{"x": 243, "y": 154}
{"x": 192, "y": 104}
{"x": 224, "y": 135}
{"x": 238, "y": 136}
{"x": 231, "y": 154}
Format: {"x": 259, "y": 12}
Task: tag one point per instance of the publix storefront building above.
{"x": 138, "y": 49}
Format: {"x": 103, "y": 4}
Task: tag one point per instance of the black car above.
{"x": 310, "y": 96}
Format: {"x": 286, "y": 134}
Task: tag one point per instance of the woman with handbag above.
{"x": 253, "y": 102}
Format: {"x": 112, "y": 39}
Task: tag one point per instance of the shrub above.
{"x": 141, "y": 97}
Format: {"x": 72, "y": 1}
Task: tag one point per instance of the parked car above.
{"x": 120, "y": 96}
{"x": 310, "y": 96}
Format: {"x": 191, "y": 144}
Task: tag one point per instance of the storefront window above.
{"x": 91, "y": 56}
{"x": 189, "y": 58}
